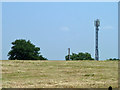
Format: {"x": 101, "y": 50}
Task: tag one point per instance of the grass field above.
{"x": 59, "y": 74}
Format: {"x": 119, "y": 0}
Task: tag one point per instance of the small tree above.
{"x": 80, "y": 56}
{"x": 24, "y": 50}
{"x": 67, "y": 57}
{"x": 113, "y": 59}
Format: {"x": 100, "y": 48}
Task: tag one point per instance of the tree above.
{"x": 112, "y": 59}
{"x": 80, "y": 56}
{"x": 24, "y": 50}
{"x": 67, "y": 57}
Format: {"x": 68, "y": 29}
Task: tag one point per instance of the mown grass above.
{"x": 59, "y": 74}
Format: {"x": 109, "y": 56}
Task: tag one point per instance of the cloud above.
{"x": 65, "y": 28}
{"x": 107, "y": 28}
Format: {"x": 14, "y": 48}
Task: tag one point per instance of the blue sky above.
{"x": 57, "y": 26}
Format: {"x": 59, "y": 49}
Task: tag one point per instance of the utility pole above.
{"x": 97, "y": 24}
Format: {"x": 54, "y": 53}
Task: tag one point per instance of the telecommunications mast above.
{"x": 97, "y": 24}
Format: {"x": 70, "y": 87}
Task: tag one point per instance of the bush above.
{"x": 80, "y": 56}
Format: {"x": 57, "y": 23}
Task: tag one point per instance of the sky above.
{"x": 57, "y": 26}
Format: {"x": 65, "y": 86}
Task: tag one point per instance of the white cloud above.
{"x": 65, "y": 28}
{"x": 107, "y": 28}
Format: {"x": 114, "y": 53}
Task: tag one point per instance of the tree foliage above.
{"x": 24, "y": 50}
{"x": 80, "y": 56}
{"x": 113, "y": 59}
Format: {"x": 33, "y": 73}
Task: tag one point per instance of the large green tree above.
{"x": 24, "y": 50}
{"x": 80, "y": 56}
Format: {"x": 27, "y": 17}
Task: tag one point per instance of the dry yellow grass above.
{"x": 59, "y": 74}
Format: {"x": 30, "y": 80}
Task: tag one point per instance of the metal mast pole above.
{"x": 96, "y": 47}
{"x": 97, "y": 24}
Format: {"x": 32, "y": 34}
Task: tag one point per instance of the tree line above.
{"x": 25, "y": 50}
